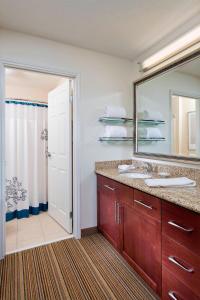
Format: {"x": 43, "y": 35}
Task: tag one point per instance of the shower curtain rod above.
{"x": 26, "y": 100}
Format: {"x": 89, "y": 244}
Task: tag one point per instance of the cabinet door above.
{"x": 125, "y": 198}
{"x": 142, "y": 245}
{"x": 108, "y": 208}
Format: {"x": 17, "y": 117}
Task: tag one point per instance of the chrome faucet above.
{"x": 147, "y": 167}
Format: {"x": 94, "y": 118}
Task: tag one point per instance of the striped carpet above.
{"x": 71, "y": 269}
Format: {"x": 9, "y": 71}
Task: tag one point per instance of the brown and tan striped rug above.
{"x": 72, "y": 269}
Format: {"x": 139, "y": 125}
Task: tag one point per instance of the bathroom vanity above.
{"x": 157, "y": 230}
{"x": 158, "y": 238}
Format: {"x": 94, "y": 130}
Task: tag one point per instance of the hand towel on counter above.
{"x": 115, "y": 111}
{"x": 125, "y": 168}
{"x": 149, "y": 132}
{"x": 150, "y": 115}
{"x": 170, "y": 182}
{"x": 115, "y": 131}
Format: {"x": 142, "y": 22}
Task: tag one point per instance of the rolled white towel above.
{"x": 150, "y": 115}
{"x": 149, "y": 132}
{"x": 170, "y": 182}
{"x": 125, "y": 168}
{"x": 115, "y": 111}
{"x": 115, "y": 131}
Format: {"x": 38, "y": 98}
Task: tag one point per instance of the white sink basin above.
{"x": 136, "y": 175}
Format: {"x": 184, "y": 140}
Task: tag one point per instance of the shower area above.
{"x": 27, "y": 219}
{"x": 26, "y": 158}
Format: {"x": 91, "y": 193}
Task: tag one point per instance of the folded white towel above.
{"x": 150, "y": 115}
{"x": 115, "y": 131}
{"x": 125, "y": 168}
{"x": 115, "y": 111}
{"x": 170, "y": 182}
{"x": 149, "y": 132}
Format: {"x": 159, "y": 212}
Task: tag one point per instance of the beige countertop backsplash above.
{"x": 185, "y": 197}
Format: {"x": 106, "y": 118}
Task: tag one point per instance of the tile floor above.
{"x": 33, "y": 231}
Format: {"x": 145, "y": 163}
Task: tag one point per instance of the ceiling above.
{"x": 124, "y": 28}
{"x": 22, "y": 84}
{"x": 17, "y": 77}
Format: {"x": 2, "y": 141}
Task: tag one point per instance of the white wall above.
{"x": 104, "y": 80}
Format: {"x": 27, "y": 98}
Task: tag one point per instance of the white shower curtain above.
{"x": 26, "y": 163}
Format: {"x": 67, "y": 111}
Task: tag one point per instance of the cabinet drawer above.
{"x": 181, "y": 225}
{"x": 124, "y": 194}
{"x": 147, "y": 204}
{"x": 108, "y": 184}
{"x": 181, "y": 262}
{"x": 174, "y": 289}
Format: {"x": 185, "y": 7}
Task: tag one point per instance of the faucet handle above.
{"x": 147, "y": 166}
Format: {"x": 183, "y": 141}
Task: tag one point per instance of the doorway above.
{"x": 38, "y": 153}
{"x": 185, "y": 121}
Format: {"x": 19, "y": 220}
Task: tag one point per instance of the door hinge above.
{"x": 71, "y": 98}
{"x": 70, "y": 214}
{"x": 71, "y": 94}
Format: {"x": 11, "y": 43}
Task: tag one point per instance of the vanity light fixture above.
{"x": 181, "y": 44}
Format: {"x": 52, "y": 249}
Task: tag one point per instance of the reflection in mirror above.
{"x": 168, "y": 112}
{"x": 184, "y": 125}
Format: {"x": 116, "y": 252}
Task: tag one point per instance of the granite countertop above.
{"x": 185, "y": 197}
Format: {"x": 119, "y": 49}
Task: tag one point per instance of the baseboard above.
{"x": 88, "y": 231}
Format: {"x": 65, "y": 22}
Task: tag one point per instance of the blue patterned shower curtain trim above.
{"x": 24, "y": 213}
{"x": 26, "y": 103}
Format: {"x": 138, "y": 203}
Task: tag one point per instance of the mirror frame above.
{"x": 163, "y": 70}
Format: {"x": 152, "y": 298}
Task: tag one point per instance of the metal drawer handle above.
{"x": 172, "y": 295}
{"x": 118, "y": 214}
{"x": 115, "y": 211}
{"x": 108, "y": 187}
{"x": 174, "y": 260}
{"x": 143, "y": 204}
{"x": 172, "y": 223}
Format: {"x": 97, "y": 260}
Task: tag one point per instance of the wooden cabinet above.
{"x": 181, "y": 262}
{"x": 125, "y": 199}
{"x": 181, "y": 225}
{"x": 180, "y": 252}
{"x": 147, "y": 204}
{"x": 160, "y": 240}
{"x": 174, "y": 289}
{"x": 108, "y": 210}
{"x": 142, "y": 245}
{"x": 134, "y": 231}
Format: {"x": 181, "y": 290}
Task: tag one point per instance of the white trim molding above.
{"x": 2, "y": 162}
{"x": 75, "y": 140}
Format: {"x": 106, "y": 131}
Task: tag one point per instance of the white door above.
{"x": 60, "y": 156}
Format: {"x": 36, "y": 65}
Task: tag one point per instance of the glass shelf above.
{"x": 150, "y": 122}
{"x": 116, "y": 121}
{"x": 115, "y": 139}
{"x": 151, "y": 139}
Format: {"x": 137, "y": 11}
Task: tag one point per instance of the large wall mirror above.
{"x": 167, "y": 112}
